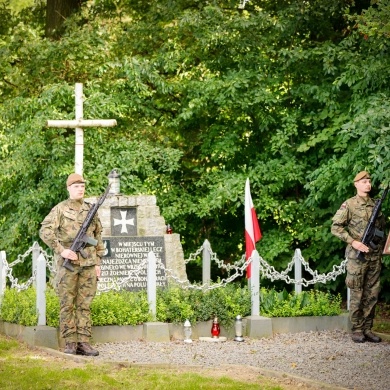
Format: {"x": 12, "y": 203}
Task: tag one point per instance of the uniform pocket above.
{"x": 69, "y": 226}
{"x": 350, "y": 252}
{"x": 354, "y": 279}
{"x": 70, "y": 215}
{"x": 59, "y": 277}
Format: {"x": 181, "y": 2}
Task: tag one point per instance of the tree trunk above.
{"x": 56, "y": 13}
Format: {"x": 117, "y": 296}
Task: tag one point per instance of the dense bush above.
{"x": 307, "y": 303}
{"x": 19, "y": 307}
{"x": 174, "y": 305}
{"x": 52, "y": 309}
{"x": 177, "y": 305}
{"x": 120, "y": 308}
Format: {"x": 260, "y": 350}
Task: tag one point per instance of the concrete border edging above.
{"x": 253, "y": 327}
{"x": 308, "y": 324}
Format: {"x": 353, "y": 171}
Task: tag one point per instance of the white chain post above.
{"x": 297, "y": 270}
{"x": 255, "y": 284}
{"x": 151, "y": 283}
{"x": 41, "y": 289}
{"x": 36, "y": 250}
{"x": 206, "y": 263}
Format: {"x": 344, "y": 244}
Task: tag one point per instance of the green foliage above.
{"x": 120, "y": 308}
{"x": 17, "y": 5}
{"x": 307, "y": 303}
{"x": 293, "y": 95}
{"x": 52, "y": 308}
{"x": 174, "y": 305}
{"x": 19, "y": 307}
{"x": 226, "y": 303}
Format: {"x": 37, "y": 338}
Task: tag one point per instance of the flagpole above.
{"x": 257, "y": 326}
{"x": 252, "y": 227}
{"x": 252, "y": 235}
{"x": 255, "y": 284}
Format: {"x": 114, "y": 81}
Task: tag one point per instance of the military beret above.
{"x": 362, "y": 175}
{"x": 74, "y": 178}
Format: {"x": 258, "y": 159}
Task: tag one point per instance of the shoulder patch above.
{"x": 343, "y": 206}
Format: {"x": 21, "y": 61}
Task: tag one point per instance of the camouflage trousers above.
{"x": 76, "y": 291}
{"x": 364, "y": 283}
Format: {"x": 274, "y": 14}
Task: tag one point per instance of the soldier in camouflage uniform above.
{"x": 76, "y": 289}
{"x": 362, "y": 278}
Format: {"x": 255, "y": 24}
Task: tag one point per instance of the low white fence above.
{"x": 42, "y": 261}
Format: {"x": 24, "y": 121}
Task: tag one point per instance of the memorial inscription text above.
{"x": 125, "y": 262}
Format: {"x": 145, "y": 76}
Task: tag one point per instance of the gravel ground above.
{"x": 328, "y": 356}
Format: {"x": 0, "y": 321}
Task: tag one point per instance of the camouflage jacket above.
{"x": 61, "y": 226}
{"x": 351, "y": 220}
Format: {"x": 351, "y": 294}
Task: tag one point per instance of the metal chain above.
{"x": 239, "y": 268}
{"x": 21, "y": 258}
{"x": 185, "y": 284}
{"x": 49, "y": 261}
{"x": 226, "y": 266}
{"x": 193, "y": 256}
{"x": 15, "y": 281}
{"x": 270, "y": 272}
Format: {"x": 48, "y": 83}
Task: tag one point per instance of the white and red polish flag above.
{"x": 252, "y": 228}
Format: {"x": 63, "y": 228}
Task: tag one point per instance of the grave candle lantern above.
{"x": 187, "y": 332}
{"x": 238, "y": 329}
{"x": 215, "y": 329}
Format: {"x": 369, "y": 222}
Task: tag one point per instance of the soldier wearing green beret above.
{"x": 76, "y": 289}
{"x": 363, "y": 277}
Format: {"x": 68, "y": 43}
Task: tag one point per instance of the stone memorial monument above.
{"x": 132, "y": 227}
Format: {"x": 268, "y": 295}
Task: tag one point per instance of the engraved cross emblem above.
{"x": 123, "y": 221}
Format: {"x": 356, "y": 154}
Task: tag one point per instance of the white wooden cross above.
{"x": 78, "y": 124}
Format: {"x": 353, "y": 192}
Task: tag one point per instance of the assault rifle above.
{"x": 371, "y": 233}
{"x": 82, "y": 240}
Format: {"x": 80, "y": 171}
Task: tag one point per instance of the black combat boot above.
{"x": 358, "y": 337}
{"x": 372, "y": 337}
{"x": 70, "y": 348}
{"x": 86, "y": 349}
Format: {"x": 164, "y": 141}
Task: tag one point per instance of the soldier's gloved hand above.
{"x": 360, "y": 246}
{"x": 68, "y": 254}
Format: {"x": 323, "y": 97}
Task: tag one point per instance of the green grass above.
{"x": 382, "y": 318}
{"x": 22, "y": 368}
{"x": 381, "y": 326}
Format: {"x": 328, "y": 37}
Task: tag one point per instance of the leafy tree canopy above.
{"x": 292, "y": 94}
